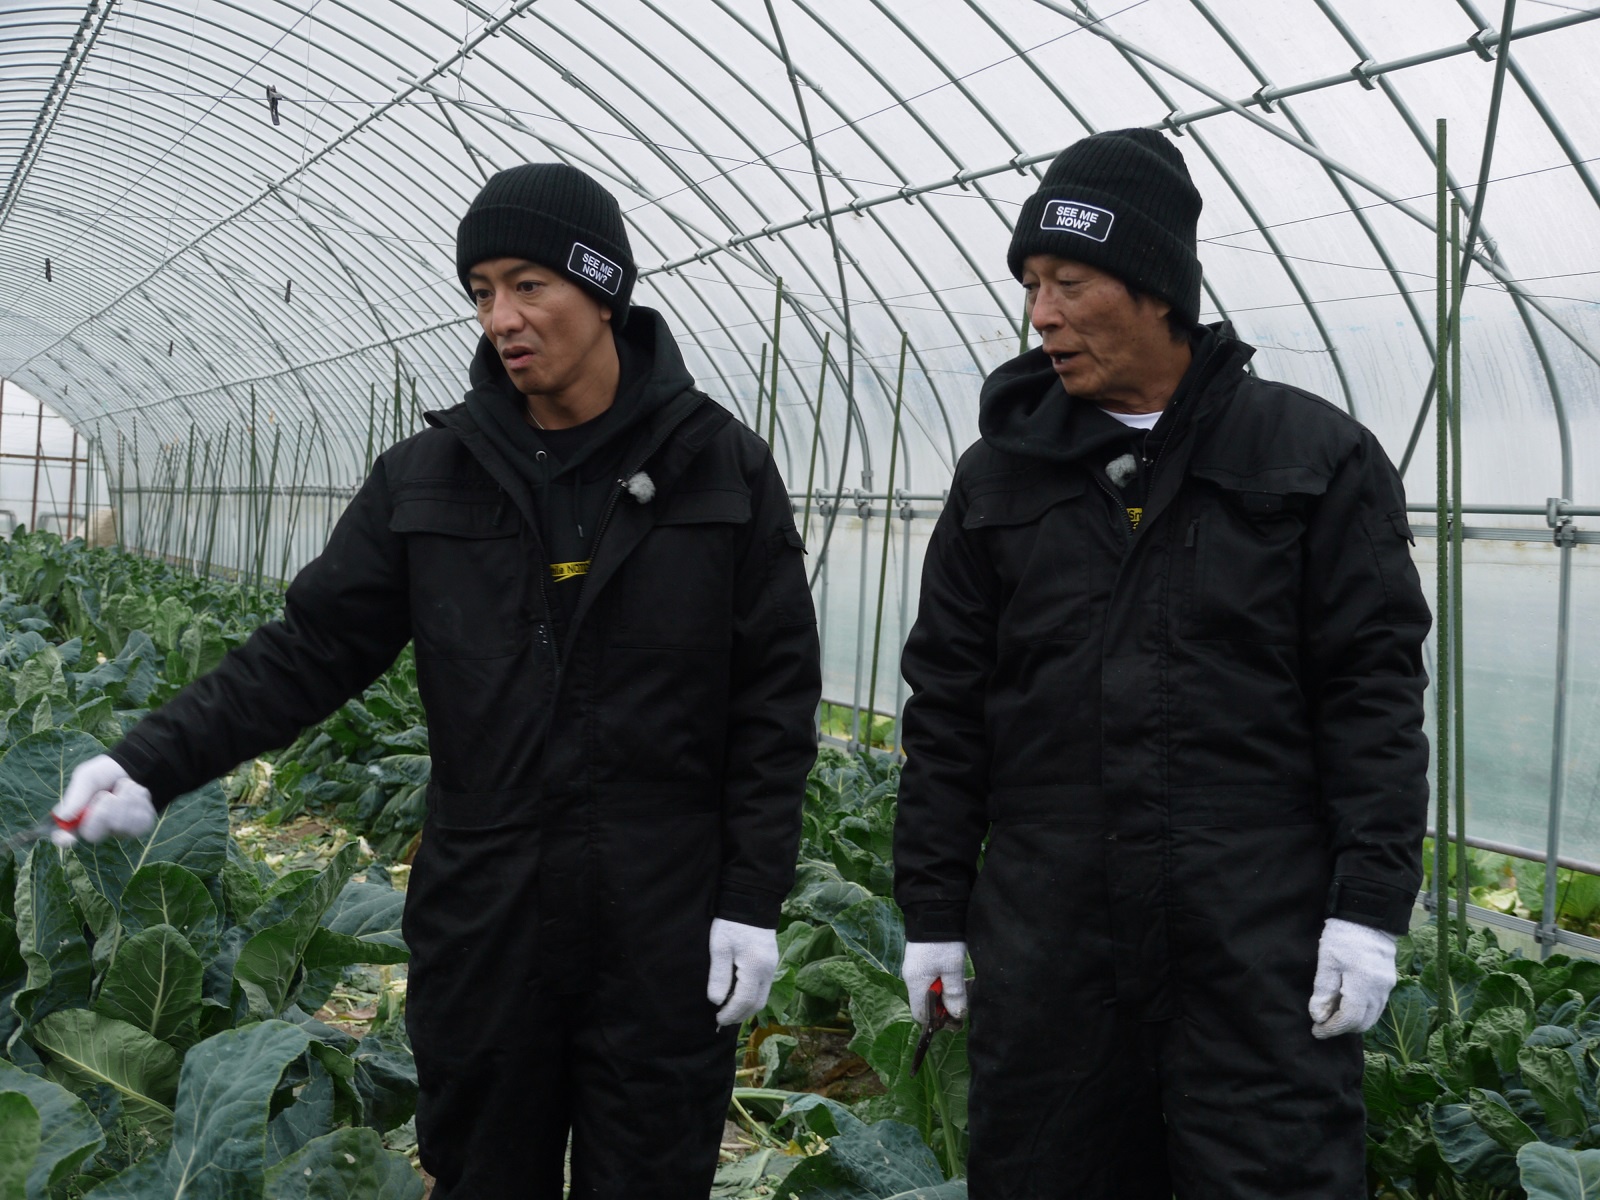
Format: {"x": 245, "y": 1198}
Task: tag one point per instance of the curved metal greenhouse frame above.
{"x": 248, "y": 211}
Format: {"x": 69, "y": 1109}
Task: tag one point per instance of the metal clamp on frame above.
{"x": 1564, "y": 532}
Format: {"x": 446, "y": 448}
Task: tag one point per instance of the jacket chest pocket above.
{"x": 1243, "y": 556}
{"x": 1043, "y": 536}
{"x": 677, "y": 587}
{"x": 469, "y": 576}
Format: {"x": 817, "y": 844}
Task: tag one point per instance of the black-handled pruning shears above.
{"x": 43, "y": 830}
{"x": 937, "y": 1017}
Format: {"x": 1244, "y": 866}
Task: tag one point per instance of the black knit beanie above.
{"x": 1121, "y": 201}
{"x": 556, "y": 216}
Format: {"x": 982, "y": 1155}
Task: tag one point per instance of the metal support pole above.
{"x": 1442, "y": 684}
{"x": 906, "y": 513}
{"x": 1457, "y": 582}
{"x": 883, "y": 566}
{"x": 33, "y": 516}
{"x": 1566, "y": 539}
{"x": 72, "y": 484}
{"x": 772, "y": 392}
{"x": 864, "y": 507}
{"x": 816, "y": 437}
{"x": 822, "y": 604}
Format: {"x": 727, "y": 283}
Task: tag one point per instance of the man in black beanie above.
{"x": 617, "y": 652}
{"x": 1168, "y": 662}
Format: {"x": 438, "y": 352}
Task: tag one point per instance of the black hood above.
{"x": 652, "y": 375}
{"x": 1023, "y": 409}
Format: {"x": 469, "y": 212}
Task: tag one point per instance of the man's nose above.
{"x": 1043, "y": 314}
{"x": 504, "y": 316}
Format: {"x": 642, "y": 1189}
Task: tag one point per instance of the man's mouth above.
{"x": 515, "y": 357}
{"x": 1060, "y": 358}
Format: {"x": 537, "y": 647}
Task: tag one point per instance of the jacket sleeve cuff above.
{"x": 748, "y": 906}
{"x": 936, "y": 923}
{"x": 148, "y": 771}
{"x": 1367, "y": 903}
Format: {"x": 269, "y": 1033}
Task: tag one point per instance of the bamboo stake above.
{"x": 888, "y": 530}
{"x": 199, "y": 516}
{"x": 1442, "y": 684}
{"x": 772, "y": 392}
{"x": 188, "y": 495}
{"x": 138, "y": 489}
{"x": 761, "y": 390}
{"x": 72, "y": 484}
{"x": 296, "y": 493}
{"x": 247, "y": 550}
{"x": 816, "y": 437}
{"x": 372, "y": 413}
{"x": 266, "y": 506}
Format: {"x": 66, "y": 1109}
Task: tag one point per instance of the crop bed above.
{"x": 218, "y": 1011}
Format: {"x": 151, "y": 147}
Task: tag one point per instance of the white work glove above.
{"x": 926, "y": 961}
{"x": 743, "y": 961}
{"x": 1355, "y": 973}
{"x": 101, "y": 801}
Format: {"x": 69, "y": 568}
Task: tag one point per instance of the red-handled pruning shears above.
{"x": 44, "y": 829}
{"x": 937, "y": 1017}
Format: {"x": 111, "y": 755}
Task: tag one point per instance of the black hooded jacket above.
{"x": 1251, "y": 656}
{"x": 676, "y": 700}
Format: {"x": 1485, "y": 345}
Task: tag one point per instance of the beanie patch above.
{"x": 1074, "y": 216}
{"x": 595, "y": 267}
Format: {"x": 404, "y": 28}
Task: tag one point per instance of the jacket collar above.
{"x": 1024, "y": 410}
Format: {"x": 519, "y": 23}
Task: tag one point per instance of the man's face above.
{"x": 1105, "y": 345}
{"x": 549, "y": 331}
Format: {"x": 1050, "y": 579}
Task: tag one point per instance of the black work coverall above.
{"x": 1187, "y": 747}
{"x": 593, "y": 804}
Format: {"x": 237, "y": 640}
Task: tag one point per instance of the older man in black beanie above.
{"x": 617, "y": 652}
{"x": 1168, "y": 662}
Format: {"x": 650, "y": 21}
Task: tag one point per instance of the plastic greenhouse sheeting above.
{"x": 248, "y": 213}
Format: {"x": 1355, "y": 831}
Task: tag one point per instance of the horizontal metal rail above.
{"x": 1572, "y": 864}
{"x": 1580, "y": 942}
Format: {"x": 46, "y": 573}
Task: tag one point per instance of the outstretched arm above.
{"x": 346, "y": 617}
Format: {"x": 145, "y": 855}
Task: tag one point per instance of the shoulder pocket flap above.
{"x": 1019, "y": 501}
{"x": 454, "y": 518}
{"x": 705, "y": 507}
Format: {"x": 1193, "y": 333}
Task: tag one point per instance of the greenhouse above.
{"x": 229, "y": 285}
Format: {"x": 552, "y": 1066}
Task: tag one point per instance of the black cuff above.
{"x": 1376, "y": 904}
{"x": 147, "y": 771}
{"x": 936, "y": 923}
{"x": 747, "y": 907}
